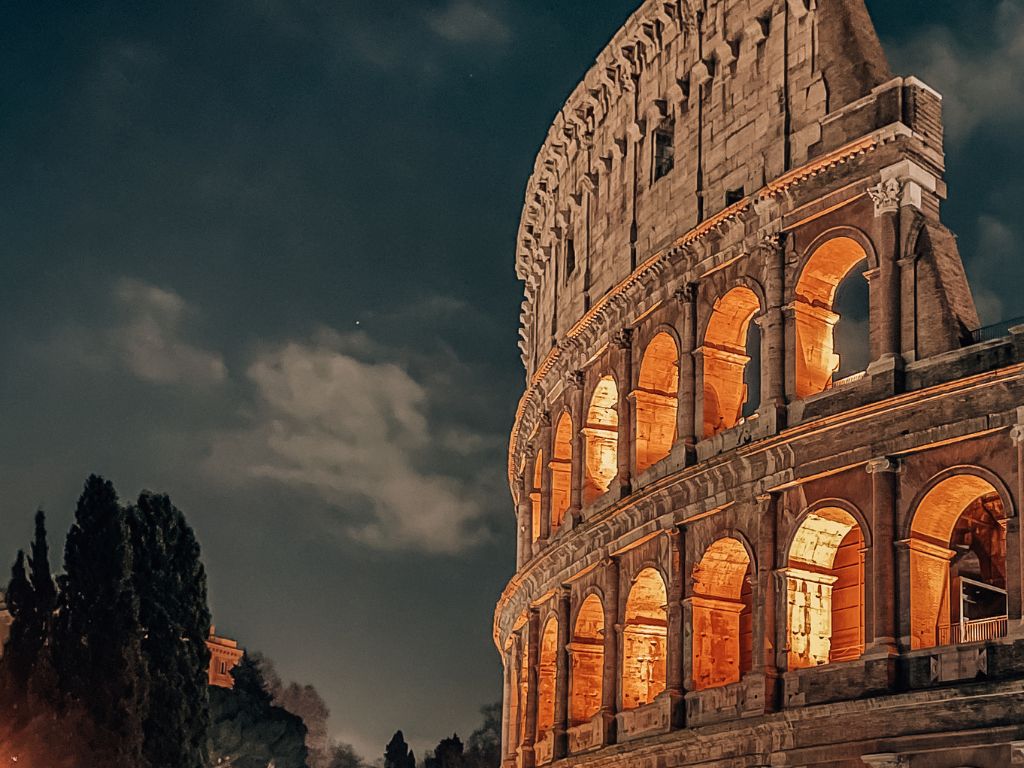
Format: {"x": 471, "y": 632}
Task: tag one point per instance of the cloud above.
{"x": 355, "y": 433}
{"x": 465, "y": 21}
{"x": 149, "y": 342}
{"x": 981, "y": 83}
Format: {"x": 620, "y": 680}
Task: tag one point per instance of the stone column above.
{"x": 546, "y": 442}
{"x": 610, "y": 677}
{"x": 881, "y": 640}
{"x": 773, "y": 325}
{"x": 886, "y": 318}
{"x": 574, "y": 385}
{"x": 675, "y": 669}
{"x": 532, "y": 688}
{"x": 524, "y": 522}
{"x": 686, "y": 412}
{"x": 624, "y": 369}
{"x": 506, "y": 705}
{"x": 1014, "y": 554}
{"x": 562, "y": 675}
{"x": 765, "y": 600}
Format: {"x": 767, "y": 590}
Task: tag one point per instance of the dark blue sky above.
{"x": 259, "y": 254}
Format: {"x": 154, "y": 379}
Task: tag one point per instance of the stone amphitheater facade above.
{"x": 733, "y": 550}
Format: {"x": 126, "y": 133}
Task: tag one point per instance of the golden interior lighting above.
{"x": 657, "y": 401}
{"x": 546, "y": 678}
{"x": 722, "y": 630}
{"x": 725, "y": 359}
{"x": 825, "y": 590}
{"x": 816, "y": 358}
{"x": 587, "y": 671}
{"x": 645, "y": 640}
{"x": 602, "y": 439}
{"x": 958, "y": 564}
{"x": 561, "y": 471}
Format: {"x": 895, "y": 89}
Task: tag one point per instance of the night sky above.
{"x": 258, "y": 254}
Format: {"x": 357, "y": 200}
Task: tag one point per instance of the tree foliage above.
{"x": 397, "y": 753}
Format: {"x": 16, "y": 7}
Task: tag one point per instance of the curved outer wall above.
{"x": 728, "y": 553}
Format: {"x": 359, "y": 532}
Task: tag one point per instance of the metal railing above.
{"x": 978, "y": 631}
{"x": 997, "y": 331}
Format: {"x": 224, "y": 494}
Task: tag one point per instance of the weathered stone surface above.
{"x": 831, "y": 576}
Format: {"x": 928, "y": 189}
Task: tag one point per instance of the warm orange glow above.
{"x": 225, "y": 655}
{"x": 645, "y": 639}
{"x": 958, "y": 532}
{"x": 561, "y": 471}
{"x": 602, "y": 439}
{"x": 825, "y": 590}
{"x": 816, "y": 359}
{"x": 587, "y": 662}
{"x": 535, "y": 494}
{"x": 657, "y": 401}
{"x": 721, "y": 639}
{"x": 546, "y": 678}
{"x": 725, "y": 359}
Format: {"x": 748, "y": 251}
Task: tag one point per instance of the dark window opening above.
{"x": 664, "y": 151}
{"x": 734, "y": 196}
{"x": 570, "y": 257}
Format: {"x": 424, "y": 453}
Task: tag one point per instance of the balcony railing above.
{"x": 978, "y": 631}
{"x": 997, "y": 331}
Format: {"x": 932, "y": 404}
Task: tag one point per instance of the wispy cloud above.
{"x": 467, "y": 21}
{"x": 355, "y": 433}
{"x": 981, "y": 83}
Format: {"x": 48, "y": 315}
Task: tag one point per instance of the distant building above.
{"x": 224, "y": 657}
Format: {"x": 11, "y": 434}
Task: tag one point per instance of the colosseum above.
{"x": 768, "y": 466}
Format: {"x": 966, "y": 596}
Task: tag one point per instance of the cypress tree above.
{"x": 19, "y": 655}
{"x": 43, "y": 586}
{"x": 170, "y": 582}
{"x": 97, "y": 633}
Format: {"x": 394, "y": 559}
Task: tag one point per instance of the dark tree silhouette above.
{"x": 397, "y": 753}
{"x": 170, "y": 582}
{"x": 97, "y": 635}
{"x": 448, "y": 754}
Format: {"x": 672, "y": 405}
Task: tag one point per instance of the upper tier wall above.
{"x": 737, "y": 90}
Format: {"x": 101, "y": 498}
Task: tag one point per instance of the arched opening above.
{"x": 958, "y": 564}
{"x": 587, "y": 672}
{"x": 547, "y": 676}
{"x": 722, "y": 626}
{"x": 726, "y": 358}
{"x": 817, "y": 359}
{"x": 537, "y": 484}
{"x": 825, "y": 589}
{"x": 561, "y": 471}
{"x": 645, "y": 640}
{"x": 657, "y": 401}
{"x": 602, "y": 439}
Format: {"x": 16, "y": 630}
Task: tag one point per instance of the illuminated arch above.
{"x": 725, "y": 359}
{"x": 958, "y": 562}
{"x": 561, "y": 471}
{"x": 814, "y": 311}
{"x": 721, "y": 621}
{"x": 602, "y": 439}
{"x": 547, "y": 675}
{"x": 645, "y": 640}
{"x": 657, "y": 401}
{"x": 825, "y": 589}
{"x": 537, "y": 486}
{"x": 587, "y": 674}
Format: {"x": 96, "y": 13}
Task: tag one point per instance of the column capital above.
{"x": 574, "y": 380}
{"x": 883, "y": 465}
{"x": 1017, "y": 434}
{"x": 686, "y": 294}
{"x": 623, "y": 339}
{"x": 886, "y": 196}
